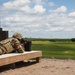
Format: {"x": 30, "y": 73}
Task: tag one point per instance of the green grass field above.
{"x": 59, "y": 50}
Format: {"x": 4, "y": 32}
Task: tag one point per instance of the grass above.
{"x": 59, "y": 50}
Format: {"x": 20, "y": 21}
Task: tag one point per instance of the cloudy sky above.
{"x": 39, "y": 18}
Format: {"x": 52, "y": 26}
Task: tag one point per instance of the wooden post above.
{"x": 38, "y": 59}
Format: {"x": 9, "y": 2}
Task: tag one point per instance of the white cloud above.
{"x": 39, "y": 9}
{"x": 25, "y": 9}
{"x": 52, "y": 22}
{"x": 59, "y": 10}
{"x": 54, "y": 29}
{"x": 23, "y": 6}
{"x": 16, "y": 3}
{"x": 23, "y": 21}
{"x": 72, "y": 14}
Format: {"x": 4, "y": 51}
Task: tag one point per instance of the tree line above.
{"x": 51, "y": 39}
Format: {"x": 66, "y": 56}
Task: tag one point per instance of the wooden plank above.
{"x": 16, "y": 57}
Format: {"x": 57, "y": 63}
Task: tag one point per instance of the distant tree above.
{"x": 73, "y": 39}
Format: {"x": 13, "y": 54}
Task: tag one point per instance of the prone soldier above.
{"x": 24, "y": 43}
{"x": 11, "y": 45}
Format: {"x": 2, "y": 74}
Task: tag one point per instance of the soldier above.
{"x": 20, "y": 39}
{"x": 11, "y": 45}
{"x": 25, "y": 44}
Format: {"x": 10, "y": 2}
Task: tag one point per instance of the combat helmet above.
{"x": 17, "y": 35}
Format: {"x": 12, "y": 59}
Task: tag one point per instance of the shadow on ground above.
{"x": 17, "y": 65}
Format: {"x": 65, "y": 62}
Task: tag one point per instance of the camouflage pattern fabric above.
{"x": 9, "y": 45}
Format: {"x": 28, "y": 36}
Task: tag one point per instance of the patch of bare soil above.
{"x": 45, "y": 67}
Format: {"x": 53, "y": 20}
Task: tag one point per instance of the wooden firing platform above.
{"x": 16, "y": 57}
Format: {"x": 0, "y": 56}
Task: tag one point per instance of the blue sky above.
{"x": 39, "y": 18}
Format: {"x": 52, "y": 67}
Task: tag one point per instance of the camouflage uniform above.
{"x": 9, "y": 45}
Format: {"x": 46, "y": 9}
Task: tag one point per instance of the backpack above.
{"x": 6, "y": 44}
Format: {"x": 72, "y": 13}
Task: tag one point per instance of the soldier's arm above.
{"x": 20, "y": 49}
{"x": 17, "y": 46}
